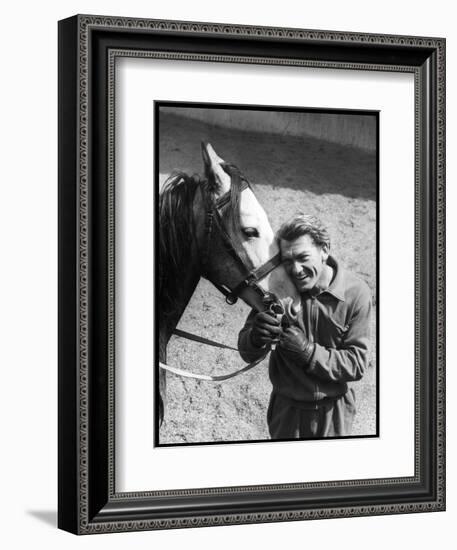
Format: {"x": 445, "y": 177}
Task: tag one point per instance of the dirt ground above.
{"x": 337, "y": 184}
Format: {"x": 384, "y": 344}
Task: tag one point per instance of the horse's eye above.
{"x": 250, "y": 232}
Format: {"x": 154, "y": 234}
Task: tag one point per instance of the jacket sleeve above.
{"x": 247, "y": 350}
{"x": 348, "y": 362}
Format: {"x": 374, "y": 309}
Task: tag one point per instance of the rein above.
{"x": 274, "y": 307}
{"x": 212, "y": 377}
{"x": 251, "y": 280}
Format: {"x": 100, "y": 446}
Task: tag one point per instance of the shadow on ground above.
{"x": 45, "y": 516}
{"x": 271, "y": 159}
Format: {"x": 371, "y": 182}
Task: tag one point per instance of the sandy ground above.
{"x": 336, "y": 183}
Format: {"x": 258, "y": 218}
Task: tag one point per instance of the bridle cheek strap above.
{"x": 252, "y": 280}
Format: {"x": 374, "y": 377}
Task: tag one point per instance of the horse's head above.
{"x": 236, "y": 242}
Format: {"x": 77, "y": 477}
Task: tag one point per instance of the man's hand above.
{"x": 266, "y": 329}
{"x": 294, "y": 343}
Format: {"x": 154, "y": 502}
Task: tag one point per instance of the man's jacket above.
{"x": 337, "y": 321}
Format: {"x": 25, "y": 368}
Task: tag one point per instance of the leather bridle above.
{"x": 252, "y": 276}
{"x": 250, "y": 280}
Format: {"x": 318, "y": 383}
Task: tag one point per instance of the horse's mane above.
{"x": 176, "y": 233}
{"x": 177, "y": 229}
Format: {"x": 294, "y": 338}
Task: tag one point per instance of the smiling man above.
{"x": 315, "y": 359}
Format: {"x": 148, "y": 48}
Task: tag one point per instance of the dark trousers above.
{"x": 289, "y": 419}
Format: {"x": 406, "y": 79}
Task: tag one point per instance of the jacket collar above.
{"x": 337, "y": 286}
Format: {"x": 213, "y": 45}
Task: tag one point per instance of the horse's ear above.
{"x": 214, "y": 170}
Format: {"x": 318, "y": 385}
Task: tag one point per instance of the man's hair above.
{"x": 302, "y": 224}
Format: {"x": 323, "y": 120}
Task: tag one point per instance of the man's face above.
{"x": 303, "y": 261}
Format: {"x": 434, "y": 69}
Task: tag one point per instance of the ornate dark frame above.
{"x": 88, "y": 46}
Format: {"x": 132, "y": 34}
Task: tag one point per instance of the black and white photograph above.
{"x": 266, "y": 240}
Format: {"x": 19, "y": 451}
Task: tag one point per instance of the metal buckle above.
{"x": 231, "y": 299}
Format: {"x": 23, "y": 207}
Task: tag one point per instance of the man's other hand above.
{"x": 293, "y": 341}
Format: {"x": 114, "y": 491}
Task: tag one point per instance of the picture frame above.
{"x": 88, "y": 499}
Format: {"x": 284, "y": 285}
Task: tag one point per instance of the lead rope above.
{"x": 274, "y": 307}
{"x": 212, "y": 377}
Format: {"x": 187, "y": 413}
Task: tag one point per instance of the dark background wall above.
{"x": 345, "y": 129}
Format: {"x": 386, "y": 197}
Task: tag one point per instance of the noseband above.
{"x": 252, "y": 277}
